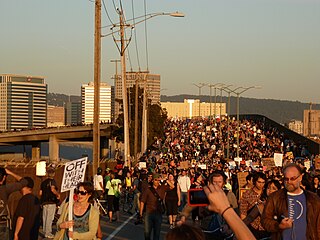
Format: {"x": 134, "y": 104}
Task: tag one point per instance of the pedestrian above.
{"x": 49, "y": 198}
{"x": 113, "y": 188}
{"x": 292, "y": 213}
{"x": 152, "y": 199}
{"x": 85, "y": 217}
{"x": 5, "y": 192}
{"x": 26, "y": 221}
{"x": 172, "y": 200}
{"x": 98, "y": 183}
{"x": 184, "y": 183}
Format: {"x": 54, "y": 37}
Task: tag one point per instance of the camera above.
{"x": 197, "y": 197}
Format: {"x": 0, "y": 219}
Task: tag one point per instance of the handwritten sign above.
{"x": 242, "y": 178}
{"x": 184, "y": 165}
{"x": 278, "y": 159}
{"x": 238, "y": 159}
{"x": 74, "y": 172}
{"x": 142, "y": 165}
{"x": 268, "y": 163}
{"x": 317, "y": 163}
{"x": 307, "y": 164}
{"x": 202, "y": 166}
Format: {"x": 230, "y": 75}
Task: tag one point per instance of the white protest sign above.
{"x": 232, "y": 164}
{"x": 307, "y": 164}
{"x": 202, "y": 166}
{"x": 278, "y": 159}
{"x": 73, "y": 174}
{"x": 142, "y": 165}
{"x": 238, "y": 159}
{"x": 249, "y": 163}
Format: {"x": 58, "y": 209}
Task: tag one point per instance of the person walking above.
{"x": 172, "y": 201}
{"x": 98, "y": 183}
{"x": 26, "y": 220}
{"x": 5, "y": 192}
{"x": 49, "y": 197}
{"x": 184, "y": 183}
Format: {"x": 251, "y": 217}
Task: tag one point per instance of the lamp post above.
{"x": 211, "y": 86}
{"x": 199, "y": 86}
{"x": 238, "y": 93}
{"x": 122, "y": 26}
{"x": 221, "y": 89}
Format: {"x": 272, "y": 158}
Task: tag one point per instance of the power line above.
{"x": 105, "y": 9}
{"x": 145, "y": 32}
{"x": 135, "y": 36}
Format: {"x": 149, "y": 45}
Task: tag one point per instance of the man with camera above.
{"x": 212, "y": 223}
{"x": 5, "y": 191}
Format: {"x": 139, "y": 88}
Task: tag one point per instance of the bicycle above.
{"x": 126, "y": 200}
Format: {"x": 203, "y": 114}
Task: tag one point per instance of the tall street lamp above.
{"x": 199, "y": 86}
{"x": 238, "y": 93}
{"x": 211, "y": 86}
{"x": 122, "y": 25}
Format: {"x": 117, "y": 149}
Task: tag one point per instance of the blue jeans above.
{"x": 152, "y": 221}
{"x": 184, "y": 200}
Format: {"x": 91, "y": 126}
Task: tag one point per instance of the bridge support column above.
{"x": 36, "y": 153}
{"x": 104, "y": 146}
{"x": 53, "y": 148}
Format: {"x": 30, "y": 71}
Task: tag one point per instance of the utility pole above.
{"x": 144, "y": 140}
{"x": 136, "y": 117}
{"x": 97, "y": 73}
{"x": 124, "y": 92}
{"x": 116, "y": 77}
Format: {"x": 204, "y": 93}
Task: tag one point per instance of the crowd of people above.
{"x": 273, "y": 202}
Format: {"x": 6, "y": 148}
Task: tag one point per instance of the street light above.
{"x": 238, "y": 93}
{"x": 211, "y": 86}
{"x": 199, "y": 86}
{"x": 122, "y": 26}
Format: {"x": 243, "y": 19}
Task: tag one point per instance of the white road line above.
{"x": 119, "y": 228}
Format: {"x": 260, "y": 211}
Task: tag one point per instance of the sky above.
{"x": 274, "y": 44}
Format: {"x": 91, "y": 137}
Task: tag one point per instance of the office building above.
{"x": 55, "y": 116}
{"x": 296, "y": 126}
{"x": 23, "y": 102}
{"x": 73, "y": 114}
{"x": 87, "y": 103}
{"x": 152, "y": 86}
{"x": 190, "y": 108}
{"x": 311, "y": 123}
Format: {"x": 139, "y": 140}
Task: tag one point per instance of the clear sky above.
{"x": 274, "y": 44}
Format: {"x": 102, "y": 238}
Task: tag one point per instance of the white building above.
{"x": 23, "y": 102}
{"x": 296, "y": 126}
{"x": 87, "y": 102}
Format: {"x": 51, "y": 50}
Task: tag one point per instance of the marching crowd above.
{"x": 272, "y": 202}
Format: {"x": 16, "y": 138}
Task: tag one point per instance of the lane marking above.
{"x": 119, "y": 228}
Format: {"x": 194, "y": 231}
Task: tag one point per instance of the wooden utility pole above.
{"x": 136, "y": 118}
{"x": 96, "y": 104}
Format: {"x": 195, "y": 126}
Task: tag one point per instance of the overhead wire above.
{"x": 105, "y": 9}
{"x": 135, "y": 36}
{"x": 145, "y": 32}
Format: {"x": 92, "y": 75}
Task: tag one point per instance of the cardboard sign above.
{"x": 142, "y": 165}
{"x": 268, "y": 163}
{"x": 307, "y": 164}
{"x": 184, "y": 165}
{"x": 242, "y": 178}
{"x": 278, "y": 159}
{"x": 73, "y": 174}
{"x": 317, "y": 163}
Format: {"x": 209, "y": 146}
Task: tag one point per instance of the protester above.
{"x": 26, "y": 221}
{"x": 5, "y": 192}
{"x": 249, "y": 199}
{"x": 152, "y": 198}
{"x": 172, "y": 200}
{"x": 292, "y": 213}
{"x": 316, "y": 185}
{"x": 98, "y": 183}
{"x": 113, "y": 188}
{"x": 85, "y": 216}
{"x": 184, "y": 183}
{"x": 49, "y": 197}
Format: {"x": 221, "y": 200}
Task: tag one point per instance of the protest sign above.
{"x": 74, "y": 172}
{"x": 242, "y": 178}
{"x": 278, "y": 159}
{"x": 142, "y": 165}
{"x": 307, "y": 164}
{"x": 268, "y": 163}
{"x": 238, "y": 159}
{"x": 184, "y": 165}
{"x": 248, "y": 163}
{"x": 202, "y": 166}
{"x": 232, "y": 164}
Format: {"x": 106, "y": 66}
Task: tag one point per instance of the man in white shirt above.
{"x": 98, "y": 183}
{"x": 184, "y": 183}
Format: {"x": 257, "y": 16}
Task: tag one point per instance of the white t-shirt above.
{"x": 97, "y": 179}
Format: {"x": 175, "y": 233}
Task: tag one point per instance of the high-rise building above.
{"x": 55, "y": 116}
{"x": 23, "y": 102}
{"x": 87, "y": 102}
{"x": 73, "y": 113}
{"x": 311, "y": 123}
{"x": 193, "y": 108}
{"x": 152, "y": 87}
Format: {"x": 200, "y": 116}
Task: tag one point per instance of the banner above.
{"x": 74, "y": 173}
{"x": 278, "y": 159}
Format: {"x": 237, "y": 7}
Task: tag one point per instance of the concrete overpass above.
{"x": 54, "y": 136}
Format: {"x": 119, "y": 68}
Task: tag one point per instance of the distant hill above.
{"x": 280, "y": 111}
